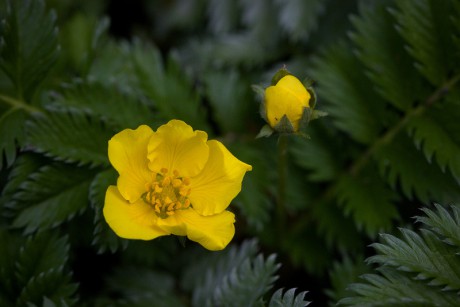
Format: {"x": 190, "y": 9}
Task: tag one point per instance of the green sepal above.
{"x": 308, "y": 83}
{"x": 306, "y": 118}
{"x": 284, "y": 126}
{"x": 266, "y": 131}
{"x": 318, "y": 114}
{"x": 279, "y": 75}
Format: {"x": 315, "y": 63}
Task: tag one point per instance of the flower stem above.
{"x": 282, "y": 178}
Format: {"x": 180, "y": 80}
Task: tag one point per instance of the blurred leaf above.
{"x": 229, "y": 96}
{"x": 223, "y": 16}
{"x": 70, "y": 136}
{"x": 167, "y": 86}
{"x": 299, "y": 18}
{"x": 29, "y": 46}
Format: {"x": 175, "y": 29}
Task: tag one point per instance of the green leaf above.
{"x": 347, "y": 95}
{"x": 29, "y": 45}
{"x": 288, "y": 299}
{"x": 39, "y": 254}
{"x": 437, "y": 133}
{"x": 13, "y": 135}
{"x": 426, "y": 25}
{"x": 426, "y": 256}
{"x": 50, "y": 196}
{"x": 167, "y": 86}
{"x": 382, "y": 51}
{"x": 70, "y": 136}
{"x": 394, "y": 289}
{"x": 444, "y": 224}
{"x": 104, "y": 237}
{"x": 53, "y": 284}
{"x": 118, "y": 108}
{"x": 402, "y": 164}
{"x": 367, "y": 198}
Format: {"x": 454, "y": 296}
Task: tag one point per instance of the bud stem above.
{"x": 282, "y": 178}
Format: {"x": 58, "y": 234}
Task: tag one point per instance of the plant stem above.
{"x": 282, "y": 178}
{"x": 19, "y": 104}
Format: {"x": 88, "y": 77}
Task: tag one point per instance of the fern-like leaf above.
{"x": 368, "y": 200}
{"x": 381, "y": 49}
{"x": 29, "y": 45}
{"x": 347, "y": 95}
{"x": 415, "y": 270}
{"x": 401, "y": 162}
{"x": 288, "y": 299}
{"x": 50, "y": 196}
{"x": 71, "y": 137}
{"x": 13, "y": 135}
{"x": 444, "y": 224}
{"x": 426, "y": 25}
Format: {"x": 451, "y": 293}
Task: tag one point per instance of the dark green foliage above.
{"x": 420, "y": 269}
{"x": 29, "y": 45}
{"x": 386, "y": 72}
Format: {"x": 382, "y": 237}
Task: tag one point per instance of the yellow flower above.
{"x": 287, "y": 97}
{"x": 173, "y": 181}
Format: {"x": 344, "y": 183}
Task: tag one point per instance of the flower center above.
{"x": 168, "y": 193}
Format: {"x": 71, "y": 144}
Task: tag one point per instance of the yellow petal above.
{"x": 175, "y": 146}
{"x": 213, "y": 232}
{"x": 128, "y": 155}
{"x": 288, "y": 97}
{"x": 130, "y": 221}
{"x": 219, "y": 182}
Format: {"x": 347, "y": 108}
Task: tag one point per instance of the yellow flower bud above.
{"x": 288, "y": 97}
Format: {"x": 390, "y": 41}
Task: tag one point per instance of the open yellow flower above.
{"x": 173, "y": 181}
{"x": 288, "y": 97}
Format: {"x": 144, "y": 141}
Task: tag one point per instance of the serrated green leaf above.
{"x": 368, "y": 200}
{"x": 53, "y": 284}
{"x": 436, "y": 133}
{"x": 13, "y": 135}
{"x": 50, "y": 196}
{"x": 402, "y": 164}
{"x": 121, "y": 110}
{"x": 70, "y": 136}
{"x": 40, "y": 253}
{"x": 104, "y": 237}
{"x": 427, "y": 27}
{"x": 29, "y": 45}
{"x": 382, "y": 51}
{"x": 288, "y": 299}
{"x": 347, "y": 95}
{"x": 441, "y": 222}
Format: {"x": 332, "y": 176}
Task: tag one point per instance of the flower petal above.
{"x": 175, "y": 146}
{"x": 128, "y": 155}
{"x": 213, "y": 232}
{"x": 219, "y": 182}
{"x": 130, "y": 221}
{"x": 288, "y": 97}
